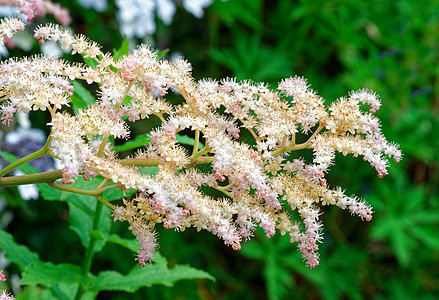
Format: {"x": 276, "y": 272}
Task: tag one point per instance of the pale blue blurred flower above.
{"x": 196, "y": 7}
{"x": 166, "y": 10}
{"x": 98, "y": 5}
{"x": 137, "y": 17}
{"x": 3, "y": 51}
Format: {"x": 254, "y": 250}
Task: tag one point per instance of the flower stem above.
{"x": 223, "y": 189}
{"x": 293, "y": 146}
{"x": 27, "y": 158}
{"x": 44, "y": 177}
{"x": 197, "y": 137}
{"x": 141, "y": 162}
{"x": 198, "y": 154}
{"x": 92, "y": 241}
{"x": 102, "y": 146}
{"x": 94, "y": 193}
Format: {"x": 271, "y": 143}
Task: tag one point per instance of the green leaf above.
{"x": 90, "y": 62}
{"x": 62, "y": 291}
{"x": 113, "y": 194}
{"x": 130, "y": 244}
{"x": 181, "y": 272}
{"x": 145, "y": 277}
{"x": 30, "y": 292}
{"x": 428, "y": 236}
{"x": 149, "y": 170}
{"x": 123, "y": 50}
{"x": 81, "y": 96}
{"x": 18, "y": 254}
{"x": 82, "y": 213}
{"x": 82, "y": 209}
{"x": 403, "y": 246}
{"x": 89, "y": 295}
{"x": 139, "y": 141}
{"x": 187, "y": 140}
{"x": 48, "y": 274}
{"x": 162, "y": 53}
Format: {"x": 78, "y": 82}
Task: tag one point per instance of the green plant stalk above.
{"x": 223, "y": 190}
{"x": 194, "y": 157}
{"x": 197, "y": 137}
{"x": 102, "y": 146}
{"x": 142, "y": 162}
{"x": 91, "y": 245}
{"x": 103, "y": 183}
{"x": 45, "y": 177}
{"x": 94, "y": 193}
{"x": 28, "y": 158}
{"x": 306, "y": 145}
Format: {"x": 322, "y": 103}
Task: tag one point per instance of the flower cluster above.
{"x": 248, "y": 131}
{"x": 34, "y": 8}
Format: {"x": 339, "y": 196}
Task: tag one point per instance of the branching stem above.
{"x": 28, "y": 158}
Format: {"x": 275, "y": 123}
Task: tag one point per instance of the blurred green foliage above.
{"x": 390, "y": 47}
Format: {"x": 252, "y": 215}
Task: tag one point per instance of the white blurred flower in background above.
{"x": 137, "y": 17}
{"x": 27, "y": 191}
{"x": 98, "y": 5}
{"x": 196, "y": 7}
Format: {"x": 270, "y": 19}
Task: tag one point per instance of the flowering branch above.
{"x": 261, "y": 182}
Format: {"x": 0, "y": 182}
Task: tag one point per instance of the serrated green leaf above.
{"x": 123, "y": 50}
{"x": 48, "y": 274}
{"x": 18, "y": 254}
{"x": 139, "y": 141}
{"x": 145, "y": 277}
{"x": 81, "y": 96}
{"x": 180, "y": 272}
